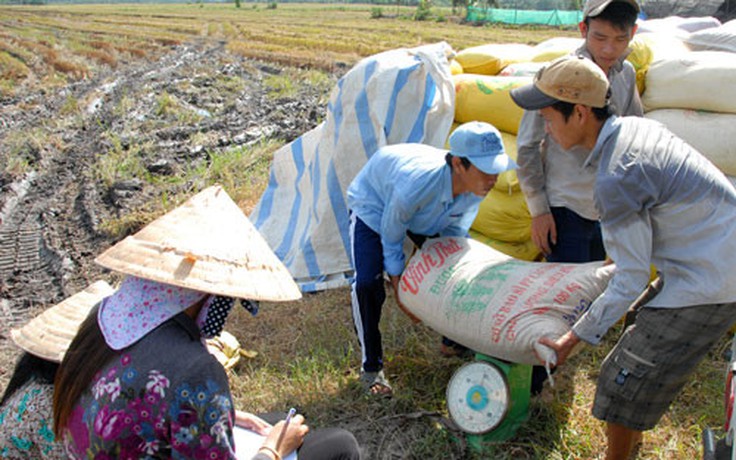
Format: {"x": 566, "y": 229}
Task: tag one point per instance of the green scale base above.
{"x": 519, "y": 378}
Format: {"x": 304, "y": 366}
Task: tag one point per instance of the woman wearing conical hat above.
{"x": 26, "y": 406}
{"x": 138, "y": 382}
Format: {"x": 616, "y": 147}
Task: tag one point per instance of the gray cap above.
{"x": 593, "y": 8}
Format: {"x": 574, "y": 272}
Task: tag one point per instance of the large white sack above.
{"x": 701, "y": 80}
{"x": 721, "y": 38}
{"x": 711, "y": 134}
{"x": 495, "y": 304}
{"x": 676, "y": 25}
{"x": 398, "y": 96}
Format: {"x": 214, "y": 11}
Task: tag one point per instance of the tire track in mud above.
{"x": 50, "y": 217}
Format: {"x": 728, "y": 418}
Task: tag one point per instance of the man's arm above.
{"x": 634, "y": 106}
{"x": 394, "y": 224}
{"x": 532, "y": 179}
{"x": 627, "y": 235}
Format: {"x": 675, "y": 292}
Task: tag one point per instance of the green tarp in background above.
{"x": 513, "y": 16}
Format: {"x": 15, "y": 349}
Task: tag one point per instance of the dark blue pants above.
{"x": 368, "y": 292}
{"x": 578, "y": 239}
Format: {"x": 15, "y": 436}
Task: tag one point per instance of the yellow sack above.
{"x": 551, "y": 49}
{"x": 525, "y": 250}
{"x": 490, "y": 59}
{"x": 455, "y": 67}
{"x": 640, "y": 57}
{"x": 504, "y": 217}
{"x": 487, "y": 98}
{"x": 508, "y": 182}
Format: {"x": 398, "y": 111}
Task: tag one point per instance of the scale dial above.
{"x": 478, "y": 397}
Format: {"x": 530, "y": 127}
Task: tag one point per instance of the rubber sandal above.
{"x": 376, "y": 380}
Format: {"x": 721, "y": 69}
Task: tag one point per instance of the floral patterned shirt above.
{"x": 163, "y": 397}
{"x": 26, "y": 423}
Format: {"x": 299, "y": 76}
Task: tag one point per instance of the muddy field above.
{"x": 50, "y": 215}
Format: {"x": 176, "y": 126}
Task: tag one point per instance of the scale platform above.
{"x": 489, "y": 399}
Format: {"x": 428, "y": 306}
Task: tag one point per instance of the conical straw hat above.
{"x": 206, "y": 244}
{"x": 49, "y": 334}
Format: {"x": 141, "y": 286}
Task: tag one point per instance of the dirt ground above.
{"x": 50, "y": 215}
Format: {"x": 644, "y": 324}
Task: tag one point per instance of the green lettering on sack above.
{"x": 474, "y": 295}
{"x": 442, "y": 280}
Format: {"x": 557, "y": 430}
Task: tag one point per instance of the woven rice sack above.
{"x": 523, "y": 250}
{"x": 702, "y": 80}
{"x": 721, "y": 38}
{"x": 495, "y": 304}
{"x": 649, "y": 47}
{"x": 491, "y": 58}
{"x": 711, "y": 134}
{"x": 553, "y": 48}
{"x": 504, "y": 217}
{"x": 679, "y": 26}
{"x": 522, "y": 69}
{"x": 487, "y": 98}
{"x": 456, "y": 68}
{"x": 507, "y": 181}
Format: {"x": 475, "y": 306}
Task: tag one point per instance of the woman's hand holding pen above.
{"x": 285, "y": 437}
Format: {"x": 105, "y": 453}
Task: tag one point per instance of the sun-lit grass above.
{"x": 309, "y": 358}
{"x": 75, "y": 40}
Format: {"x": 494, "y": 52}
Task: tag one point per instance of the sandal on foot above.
{"x": 376, "y": 384}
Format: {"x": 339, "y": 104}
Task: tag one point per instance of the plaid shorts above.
{"x": 653, "y": 359}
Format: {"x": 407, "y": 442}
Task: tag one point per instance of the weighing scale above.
{"x": 489, "y": 399}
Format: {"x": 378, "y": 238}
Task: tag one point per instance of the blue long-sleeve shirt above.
{"x": 409, "y": 187}
{"x": 664, "y": 203}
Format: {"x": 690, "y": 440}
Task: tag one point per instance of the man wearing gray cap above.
{"x": 660, "y": 202}
{"x": 415, "y": 190}
{"x": 558, "y": 191}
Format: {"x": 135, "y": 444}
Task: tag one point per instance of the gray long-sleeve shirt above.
{"x": 553, "y": 177}
{"x": 660, "y": 202}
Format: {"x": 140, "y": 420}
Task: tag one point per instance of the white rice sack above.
{"x": 721, "y": 38}
{"x": 522, "y": 69}
{"x": 711, "y": 134}
{"x": 677, "y": 25}
{"x": 495, "y": 304}
{"x": 701, "y": 80}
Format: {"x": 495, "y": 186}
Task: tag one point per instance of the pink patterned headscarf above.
{"x": 138, "y": 307}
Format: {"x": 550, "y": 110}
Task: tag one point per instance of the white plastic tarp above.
{"x": 398, "y": 96}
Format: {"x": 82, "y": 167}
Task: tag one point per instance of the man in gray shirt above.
{"x": 660, "y": 202}
{"x": 558, "y": 191}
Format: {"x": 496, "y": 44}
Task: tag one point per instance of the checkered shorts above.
{"x": 651, "y": 362}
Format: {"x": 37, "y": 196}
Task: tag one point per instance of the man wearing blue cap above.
{"x": 412, "y": 190}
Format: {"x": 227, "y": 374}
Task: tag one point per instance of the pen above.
{"x": 291, "y": 413}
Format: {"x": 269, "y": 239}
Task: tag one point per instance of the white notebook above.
{"x": 248, "y": 442}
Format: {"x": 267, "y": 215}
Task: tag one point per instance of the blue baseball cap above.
{"x": 481, "y": 143}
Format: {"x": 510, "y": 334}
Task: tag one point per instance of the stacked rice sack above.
{"x": 694, "y": 94}
{"x": 677, "y": 86}
{"x": 484, "y": 76}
